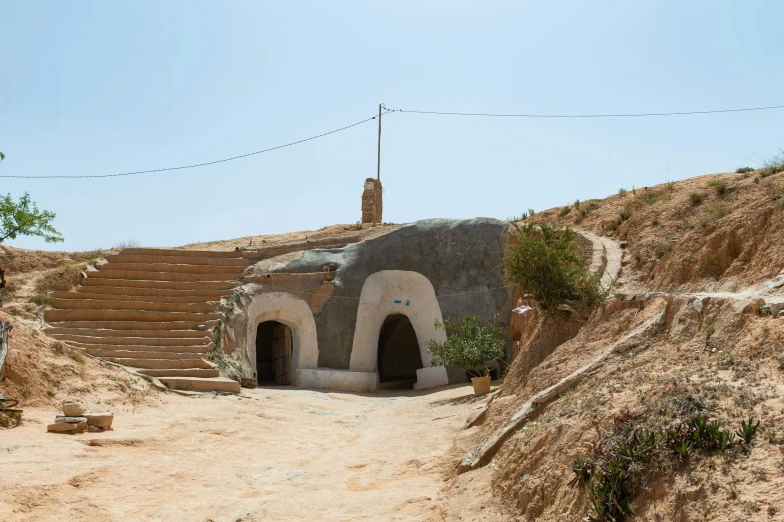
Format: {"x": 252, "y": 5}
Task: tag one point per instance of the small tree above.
{"x": 470, "y": 343}
{"x": 546, "y": 261}
{"x": 23, "y": 218}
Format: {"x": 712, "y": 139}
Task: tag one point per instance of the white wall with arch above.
{"x": 397, "y": 292}
{"x": 295, "y": 313}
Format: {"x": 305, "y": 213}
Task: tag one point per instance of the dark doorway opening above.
{"x": 398, "y": 353}
{"x": 273, "y": 353}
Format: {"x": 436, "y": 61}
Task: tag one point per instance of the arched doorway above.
{"x": 398, "y": 292}
{"x": 398, "y": 353}
{"x": 273, "y": 353}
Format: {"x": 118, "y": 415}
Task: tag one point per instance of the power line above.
{"x": 629, "y": 115}
{"x": 411, "y": 111}
{"x": 198, "y": 164}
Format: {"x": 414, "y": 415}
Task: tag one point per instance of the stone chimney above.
{"x": 371, "y": 201}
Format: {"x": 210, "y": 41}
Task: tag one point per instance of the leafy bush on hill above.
{"x": 547, "y": 263}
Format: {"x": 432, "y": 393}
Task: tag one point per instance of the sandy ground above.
{"x": 270, "y": 454}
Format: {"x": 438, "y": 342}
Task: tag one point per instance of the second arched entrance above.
{"x": 398, "y": 353}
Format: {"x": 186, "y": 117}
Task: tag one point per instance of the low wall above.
{"x": 341, "y": 380}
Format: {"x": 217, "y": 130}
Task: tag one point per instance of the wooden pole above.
{"x": 378, "y": 172}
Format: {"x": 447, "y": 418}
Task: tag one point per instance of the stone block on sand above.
{"x": 72, "y": 409}
{"x": 100, "y": 420}
{"x": 70, "y": 420}
{"x": 67, "y": 427}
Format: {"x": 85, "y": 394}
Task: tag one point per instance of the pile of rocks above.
{"x": 761, "y": 307}
{"x": 75, "y": 420}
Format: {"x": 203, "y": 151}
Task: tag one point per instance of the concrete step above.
{"x": 162, "y": 337}
{"x": 126, "y": 315}
{"x": 92, "y": 282}
{"x": 199, "y": 349}
{"x": 184, "y": 372}
{"x": 170, "y": 269}
{"x": 204, "y": 342}
{"x": 179, "y": 253}
{"x": 186, "y": 327}
{"x": 178, "y": 260}
{"x": 145, "y": 354}
{"x": 201, "y": 385}
{"x": 137, "y": 275}
{"x": 112, "y": 304}
{"x": 136, "y": 362}
{"x": 157, "y": 298}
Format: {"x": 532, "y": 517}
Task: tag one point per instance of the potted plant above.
{"x": 470, "y": 344}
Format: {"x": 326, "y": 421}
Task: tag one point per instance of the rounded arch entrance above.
{"x": 392, "y": 293}
{"x": 398, "y": 352}
{"x": 294, "y": 313}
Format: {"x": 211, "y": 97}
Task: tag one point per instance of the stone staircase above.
{"x": 152, "y": 310}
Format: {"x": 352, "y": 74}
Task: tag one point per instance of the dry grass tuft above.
{"x": 61, "y": 279}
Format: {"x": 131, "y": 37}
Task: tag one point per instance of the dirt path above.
{"x": 272, "y": 454}
{"x": 608, "y": 256}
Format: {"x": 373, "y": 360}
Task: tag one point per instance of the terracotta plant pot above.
{"x": 481, "y": 385}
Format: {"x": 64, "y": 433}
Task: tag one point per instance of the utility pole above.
{"x": 378, "y": 172}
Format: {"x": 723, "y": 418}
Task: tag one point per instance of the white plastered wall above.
{"x": 397, "y": 292}
{"x": 295, "y": 313}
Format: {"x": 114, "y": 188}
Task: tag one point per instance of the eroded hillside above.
{"x": 719, "y": 231}
{"x": 41, "y": 371}
{"x": 692, "y": 329}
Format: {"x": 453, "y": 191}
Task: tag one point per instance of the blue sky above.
{"x": 103, "y": 87}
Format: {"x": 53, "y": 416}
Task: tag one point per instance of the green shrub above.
{"x": 651, "y": 196}
{"x": 622, "y": 191}
{"x": 547, "y": 262}
{"x": 748, "y": 430}
{"x": 744, "y": 170}
{"x": 719, "y": 185}
{"x": 696, "y": 198}
{"x": 625, "y": 214}
{"x": 623, "y": 465}
{"x": 583, "y": 472}
{"x": 470, "y": 344}
{"x": 565, "y": 211}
